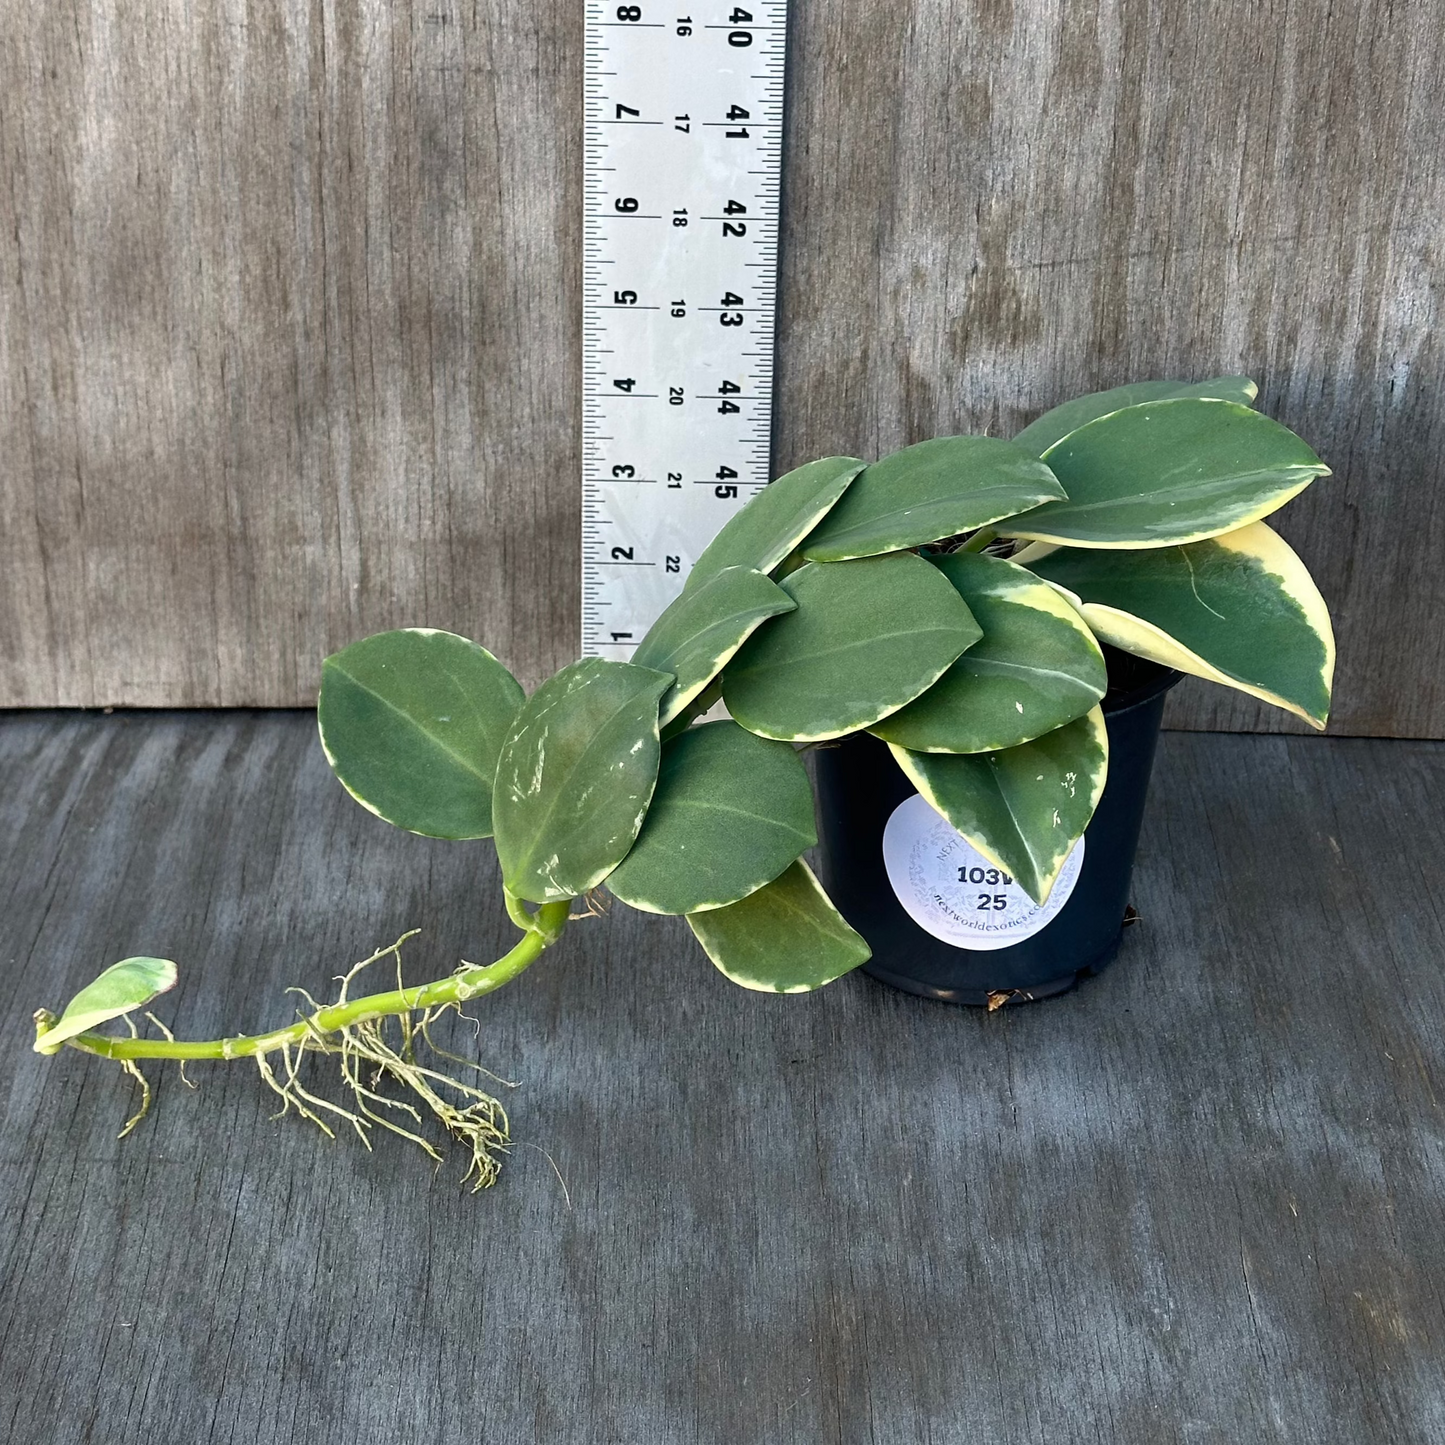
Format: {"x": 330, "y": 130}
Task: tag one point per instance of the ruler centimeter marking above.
{"x": 682, "y": 173}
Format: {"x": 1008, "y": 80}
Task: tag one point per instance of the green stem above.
{"x": 543, "y": 929}
{"x": 979, "y": 540}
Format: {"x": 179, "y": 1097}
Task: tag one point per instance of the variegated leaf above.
{"x": 1053, "y": 426}
{"x": 930, "y": 491}
{"x": 411, "y": 722}
{"x": 1036, "y": 667}
{"x": 785, "y": 938}
{"x": 1168, "y": 472}
{"x": 701, "y": 630}
{"x": 731, "y": 811}
{"x": 1023, "y": 808}
{"x": 1239, "y": 609}
{"x": 120, "y": 989}
{"x": 867, "y": 637}
{"x": 575, "y": 777}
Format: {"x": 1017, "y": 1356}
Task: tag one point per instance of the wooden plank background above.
{"x": 289, "y": 300}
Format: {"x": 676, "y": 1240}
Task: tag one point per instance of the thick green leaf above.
{"x": 731, "y": 811}
{"x": 1053, "y": 426}
{"x": 775, "y": 520}
{"x": 785, "y": 938}
{"x": 575, "y": 777}
{"x": 867, "y": 637}
{"x": 703, "y": 628}
{"x": 1168, "y": 472}
{"x": 1023, "y": 808}
{"x": 412, "y": 722}
{"x": 1239, "y": 609}
{"x": 926, "y": 492}
{"x": 1035, "y": 668}
{"x": 130, "y": 984}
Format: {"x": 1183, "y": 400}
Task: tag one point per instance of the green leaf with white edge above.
{"x": 702, "y": 704}
{"x": 1239, "y": 609}
{"x": 701, "y": 629}
{"x": 867, "y": 638}
{"x": 1023, "y": 808}
{"x": 1036, "y": 667}
{"x": 776, "y": 519}
{"x": 412, "y": 723}
{"x": 1168, "y": 472}
{"x": 123, "y": 987}
{"x": 1053, "y": 426}
{"x": 785, "y": 938}
{"x": 731, "y": 811}
{"x": 926, "y": 492}
{"x": 575, "y": 777}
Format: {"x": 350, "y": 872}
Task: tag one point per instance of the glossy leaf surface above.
{"x": 1036, "y": 667}
{"x": 867, "y": 637}
{"x": 703, "y": 628}
{"x": 1239, "y": 609}
{"x": 123, "y": 987}
{"x": 926, "y": 492}
{"x": 412, "y": 722}
{"x": 775, "y": 520}
{"x": 1023, "y": 808}
{"x": 785, "y": 938}
{"x": 575, "y": 777}
{"x": 731, "y": 812}
{"x": 1167, "y": 472}
{"x": 1052, "y": 426}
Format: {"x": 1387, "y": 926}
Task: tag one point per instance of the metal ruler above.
{"x": 683, "y": 160}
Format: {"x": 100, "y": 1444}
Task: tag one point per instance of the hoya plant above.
{"x": 949, "y": 599}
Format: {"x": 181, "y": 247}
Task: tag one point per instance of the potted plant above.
{"x": 939, "y": 616}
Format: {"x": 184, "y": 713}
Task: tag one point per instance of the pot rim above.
{"x": 1146, "y": 692}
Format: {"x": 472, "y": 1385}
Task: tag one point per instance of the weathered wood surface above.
{"x": 1200, "y": 1200}
{"x": 289, "y": 320}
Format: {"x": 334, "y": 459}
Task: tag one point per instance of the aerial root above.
{"x": 129, "y": 1065}
{"x": 370, "y": 1054}
{"x": 145, "y": 1097}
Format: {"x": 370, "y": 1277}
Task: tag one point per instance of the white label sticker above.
{"x": 950, "y": 889}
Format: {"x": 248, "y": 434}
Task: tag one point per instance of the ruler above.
{"x": 683, "y": 160}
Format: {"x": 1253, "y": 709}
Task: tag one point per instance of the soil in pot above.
{"x": 943, "y": 921}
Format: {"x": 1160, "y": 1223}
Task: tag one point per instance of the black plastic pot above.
{"x": 860, "y": 788}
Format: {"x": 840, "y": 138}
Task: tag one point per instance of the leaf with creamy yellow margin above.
{"x": 868, "y": 637}
{"x": 731, "y": 811}
{"x": 699, "y": 631}
{"x": 785, "y": 938}
{"x": 1240, "y": 609}
{"x": 926, "y": 492}
{"x": 411, "y": 722}
{"x": 1023, "y": 808}
{"x": 1036, "y": 667}
{"x": 1168, "y": 472}
{"x": 776, "y": 518}
{"x": 1053, "y": 426}
{"x": 120, "y": 989}
{"x": 575, "y": 777}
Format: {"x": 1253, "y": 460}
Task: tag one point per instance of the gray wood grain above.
{"x": 289, "y": 335}
{"x": 1198, "y": 1200}
{"x": 288, "y": 327}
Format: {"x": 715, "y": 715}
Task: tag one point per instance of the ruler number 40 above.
{"x": 738, "y": 39}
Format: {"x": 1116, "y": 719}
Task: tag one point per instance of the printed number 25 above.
{"x": 995, "y": 901}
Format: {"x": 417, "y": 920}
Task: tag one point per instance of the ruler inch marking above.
{"x": 682, "y": 132}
